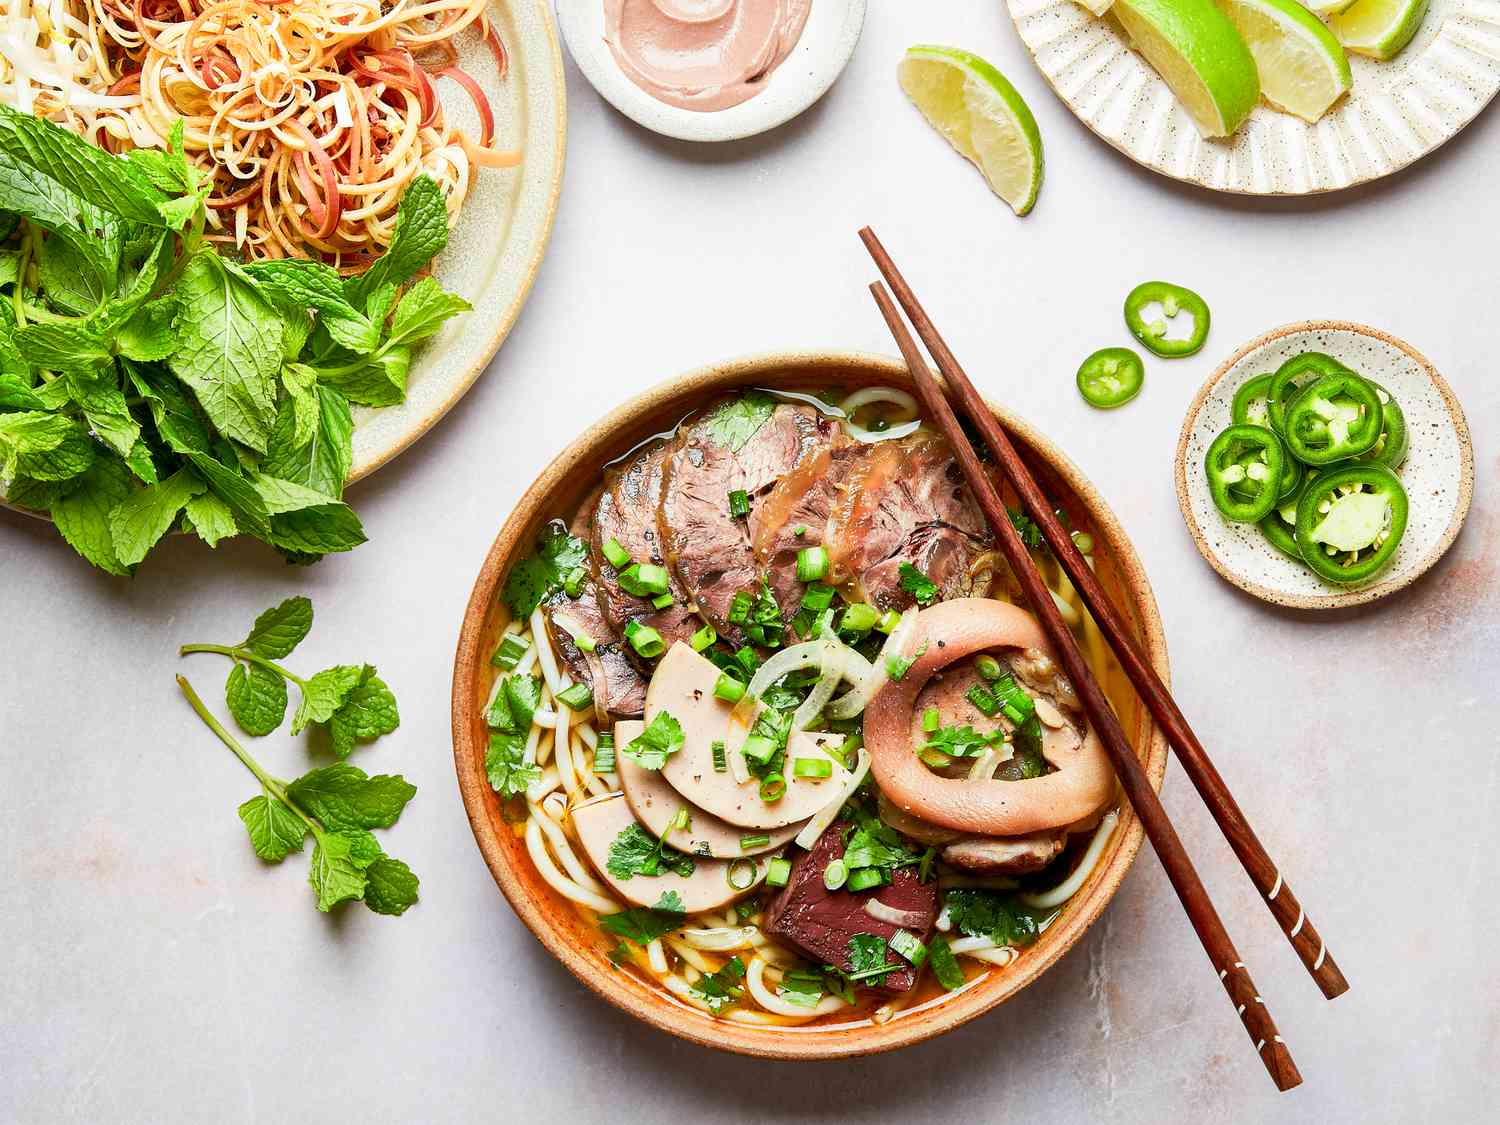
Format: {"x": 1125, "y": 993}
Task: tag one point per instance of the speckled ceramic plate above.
{"x": 501, "y": 233}
{"x": 832, "y": 30}
{"x": 1397, "y": 112}
{"x": 1438, "y": 472}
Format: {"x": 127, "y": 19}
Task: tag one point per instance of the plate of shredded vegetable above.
{"x": 244, "y": 246}
{"x": 309, "y": 120}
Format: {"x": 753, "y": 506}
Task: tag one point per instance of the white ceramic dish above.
{"x": 1397, "y": 112}
{"x": 833, "y": 28}
{"x": 501, "y": 233}
{"x": 1438, "y": 472}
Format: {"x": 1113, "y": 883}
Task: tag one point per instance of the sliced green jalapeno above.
{"x": 1334, "y": 419}
{"x": 1250, "y": 403}
{"x": 1390, "y": 448}
{"x": 1293, "y": 376}
{"x": 1244, "y": 467}
{"x": 1279, "y": 527}
{"x": 1173, "y": 300}
{"x": 1349, "y": 522}
{"x": 1111, "y": 377}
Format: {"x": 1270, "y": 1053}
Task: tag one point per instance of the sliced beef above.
{"x": 626, "y": 512}
{"x": 1006, "y": 855}
{"x": 747, "y": 443}
{"x": 820, "y": 922}
{"x": 906, "y": 502}
{"x": 609, "y": 673}
{"x": 801, "y": 502}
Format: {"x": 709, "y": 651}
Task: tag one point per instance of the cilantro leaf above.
{"x": 344, "y": 797}
{"x": 721, "y": 988}
{"x": 875, "y": 844}
{"x": 980, "y": 913}
{"x": 963, "y": 742}
{"x": 280, "y": 629}
{"x": 867, "y": 963}
{"x": 643, "y": 925}
{"x": 1026, "y": 527}
{"x": 944, "y": 963}
{"x": 538, "y": 576}
{"x": 661, "y": 739}
{"x": 896, "y": 667}
{"x": 515, "y": 704}
{"x": 506, "y": 766}
{"x": 257, "y": 698}
{"x": 636, "y": 852}
{"x": 734, "y": 423}
{"x": 276, "y": 831}
{"x": 390, "y": 886}
{"x": 323, "y": 694}
{"x": 917, "y": 584}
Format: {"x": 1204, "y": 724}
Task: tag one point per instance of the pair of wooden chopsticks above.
{"x": 1226, "y": 812}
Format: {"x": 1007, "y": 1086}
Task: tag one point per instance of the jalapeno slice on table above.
{"x": 1292, "y": 377}
{"x": 1111, "y": 377}
{"x": 1350, "y": 521}
{"x": 1335, "y": 418}
{"x": 1162, "y": 302}
{"x": 1251, "y": 403}
{"x": 1244, "y": 466}
{"x": 1390, "y": 448}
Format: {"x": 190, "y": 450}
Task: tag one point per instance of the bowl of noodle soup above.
{"x": 537, "y": 846}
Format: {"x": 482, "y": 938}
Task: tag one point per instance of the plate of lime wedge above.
{"x": 1268, "y": 97}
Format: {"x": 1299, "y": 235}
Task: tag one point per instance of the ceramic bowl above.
{"x": 1438, "y": 472}
{"x": 554, "y": 922}
{"x": 822, "y": 52}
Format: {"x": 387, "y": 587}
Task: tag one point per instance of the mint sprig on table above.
{"x": 337, "y": 805}
{"x": 149, "y": 383}
{"x": 349, "y": 700}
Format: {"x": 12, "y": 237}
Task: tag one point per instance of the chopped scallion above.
{"x": 867, "y": 877}
{"x": 779, "y": 874}
{"x": 817, "y": 597}
{"x": 758, "y": 748}
{"x": 908, "y": 945}
{"x": 573, "y": 583}
{"x": 800, "y": 530}
{"x": 584, "y": 642}
{"x": 729, "y": 689}
{"x": 703, "y": 638}
{"x": 741, "y": 874}
{"x": 983, "y": 699}
{"x": 859, "y": 619}
{"x": 932, "y": 719}
{"x": 812, "y": 564}
{"x": 888, "y": 621}
{"x": 835, "y": 874}
{"x": 721, "y": 761}
{"x": 759, "y": 840}
{"x": 739, "y": 608}
{"x": 739, "y": 503}
{"x": 644, "y": 580}
{"x": 618, "y": 556}
{"x": 509, "y": 654}
{"x": 747, "y": 659}
{"x": 812, "y": 767}
{"x": 604, "y": 753}
{"x": 644, "y": 639}
{"x": 662, "y": 601}
{"x": 772, "y": 788}
{"x": 988, "y": 667}
{"x": 578, "y": 697}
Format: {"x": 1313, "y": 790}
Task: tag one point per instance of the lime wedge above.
{"x": 1303, "y": 70}
{"x": 1329, "y": 7}
{"x": 971, "y": 103}
{"x": 1199, "y": 54}
{"x": 1379, "y": 28}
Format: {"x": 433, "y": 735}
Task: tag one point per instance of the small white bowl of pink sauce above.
{"x": 711, "y": 70}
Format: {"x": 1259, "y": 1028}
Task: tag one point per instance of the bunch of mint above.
{"x": 337, "y": 805}
{"x": 148, "y": 383}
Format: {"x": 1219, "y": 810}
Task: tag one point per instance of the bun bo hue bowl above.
{"x": 823, "y": 790}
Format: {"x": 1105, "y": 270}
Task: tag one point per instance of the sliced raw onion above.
{"x": 832, "y": 662}
{"x": 880, "y": 394}
{"x": 829, "y": 812}
{"x": 906, "y": 919}
{"x": 721, "y": 939}
{"x": 808, "y": 654}
{"x": 1045, "y": 900}
{"x": 985, "y": 765}
{"x": 854, "y": 702}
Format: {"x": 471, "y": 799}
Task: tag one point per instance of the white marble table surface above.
{"x": 155, "y": 971}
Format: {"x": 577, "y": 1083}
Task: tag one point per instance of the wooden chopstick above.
{"x": 1263, "y": 871}
{"x": 1256, "y": 1016}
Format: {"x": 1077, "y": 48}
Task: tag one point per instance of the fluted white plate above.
{"x": 1438, "y": 472}
{"x": 1397, "y": 112}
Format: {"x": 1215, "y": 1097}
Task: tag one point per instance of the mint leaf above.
{"x": 344, "y": 796}
{"x": 303, "y": 284}
{"x": 322, "y": 461}
{"x": 421, "y": 233}
{"x": 142, "y": 518}
{"x": 324, "y": 694}
{"x": 391, "y": 887}
{"x": 380, "y": 381}
{"x": 92, "y": 233}
{"x": 99, "y": 396}
{"x": 177, "y": 418}
{"x": 69, "y": 346}
{"x": 505, "y": 764}
{"x": 423, "y": 310}
{"x": 149, "y": 334}
{"x": 335, "y": 873}
{"x": 368, "y": 712}
{"x": 79, "y": 167}
{"x": 256, "y": 697}
{"x": 211, "y": 518}
{"x": 82, "y": 516}
{"x": 275, "y": 830}
{"x": 306, "y": 520}
{"x": 280, "y": 629}
{"x": 228, "y": 349}
{"x": 16, "y": 394}
{"x": 72, "y": 279}
{"x": 238, "y": 493}
{"x": 735, "y": 422}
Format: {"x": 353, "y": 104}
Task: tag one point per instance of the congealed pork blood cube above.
{"x": 820, "y": 922}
